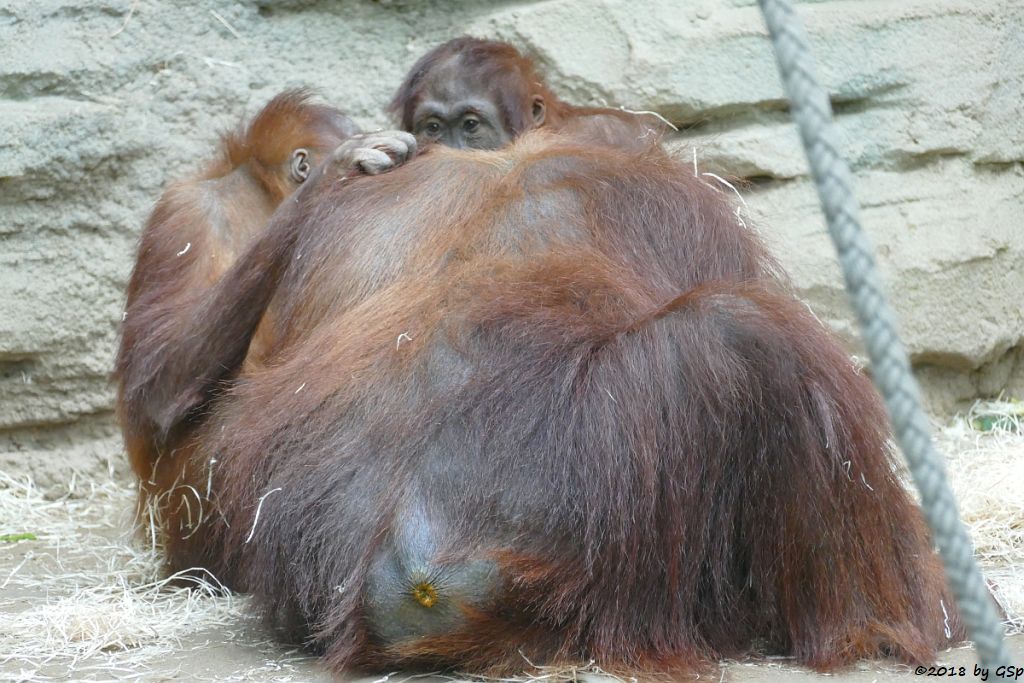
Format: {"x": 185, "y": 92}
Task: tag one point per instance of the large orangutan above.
{"x": 549, "y": 404}
{"x": 482, "y": 94}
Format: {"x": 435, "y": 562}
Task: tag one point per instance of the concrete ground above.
{"x": 75, "y": 606}
{"x": 82, "y": 598}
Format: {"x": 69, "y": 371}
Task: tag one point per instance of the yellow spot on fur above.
{"x": 425, "y": 594}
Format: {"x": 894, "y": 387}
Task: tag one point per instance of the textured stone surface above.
{"x": 102, "y": 102}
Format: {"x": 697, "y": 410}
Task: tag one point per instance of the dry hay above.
{"x": 985, "y": 453}
{"x": 83, "y": 597}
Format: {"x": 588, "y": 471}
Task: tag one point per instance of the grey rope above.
{"x": 891, "y": 366}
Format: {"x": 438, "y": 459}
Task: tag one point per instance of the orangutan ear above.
{"x": 538, "y": 111}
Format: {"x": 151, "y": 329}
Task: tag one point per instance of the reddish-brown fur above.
{"x": 512, "y": 81}
{"x": 196, "y": 231}
{"x": 559, "y": 385}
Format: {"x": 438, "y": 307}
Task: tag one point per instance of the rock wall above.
{"x": 103, "y": 102}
